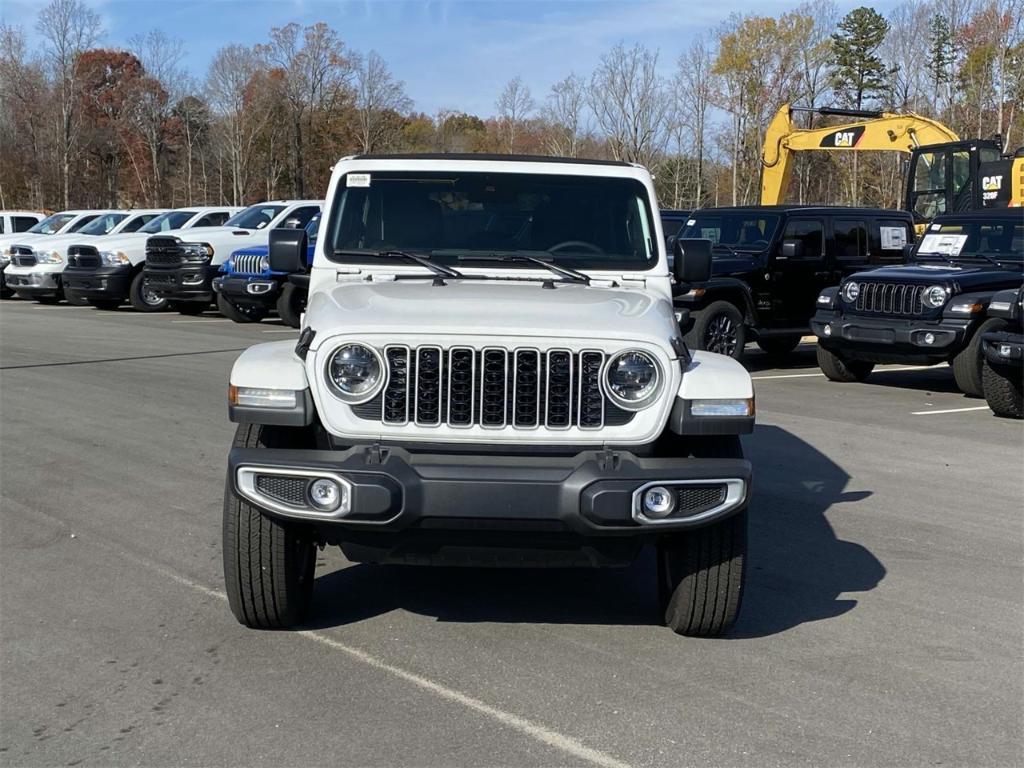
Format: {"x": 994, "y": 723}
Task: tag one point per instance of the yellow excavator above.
{"x": 944, "y": 174}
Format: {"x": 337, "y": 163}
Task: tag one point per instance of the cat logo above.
{"x": 991, "y": 183}
{"x": 844, "y": 138}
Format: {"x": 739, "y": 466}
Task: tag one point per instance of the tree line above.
{"x": 83, "y": 125}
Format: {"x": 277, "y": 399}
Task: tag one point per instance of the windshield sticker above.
{"x": 691, "y": 222}
{"x": 893, "y": 238}
{"x": 947, "y": 245}
{"x": 357, "y": 180}
{"x": 936, "y": 227}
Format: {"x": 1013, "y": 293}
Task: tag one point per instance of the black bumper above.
{"x": 1002, "y": 348}
{"x": 403, "y": 500}
{"x": 187, "y": 282}
{"x": 890, "y": 339}
{"x": 99, "y": 282}
{"x": 240, "y": 289}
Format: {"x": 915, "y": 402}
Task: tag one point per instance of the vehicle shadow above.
{"x": 803, "y": 357}
{"x": 798, "y": 568}
{"x": 936, "y": 379}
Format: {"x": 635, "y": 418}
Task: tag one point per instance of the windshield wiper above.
{"x": 565, "y": 272}
{"x": 437, "y": 269}
{"x": 729, "y": 248}
{"x": 944, "y": 257}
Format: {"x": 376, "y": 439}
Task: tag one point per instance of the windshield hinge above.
{"x": 632, "y": 282}
{"x": 348, "y": 274}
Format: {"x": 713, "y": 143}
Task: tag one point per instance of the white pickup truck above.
{"x": 489, "y": 372}
{"x": 181, "y": 264}
{"x": 37, "y": 268}
{"x": 55, "y": 224}
{"x": 109, "y": 273}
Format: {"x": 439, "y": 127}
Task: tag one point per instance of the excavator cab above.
{"x": 948, "y": 177}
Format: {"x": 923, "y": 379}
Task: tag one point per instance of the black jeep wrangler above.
{"x": 1002, "y": 373}
{"x": 928, "y": 311}
{"x": 770, "y": 264}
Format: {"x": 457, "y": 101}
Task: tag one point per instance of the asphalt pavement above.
{"x": 882, "y": 623}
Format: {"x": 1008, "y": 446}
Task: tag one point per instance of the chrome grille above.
{"x": 247, "y": 264}
{"x": 22, "y": 256}
{"x": 83, "y": 256}
{"x": 163, "y": 251}
{"x": 890, "y": 299}
{"x": 493, "y": 388}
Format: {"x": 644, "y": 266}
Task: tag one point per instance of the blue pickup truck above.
{"x": 247, "y": 289}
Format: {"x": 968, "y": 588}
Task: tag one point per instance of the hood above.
{"x": 22, "y": 238}
{"x": 465, "y": 307}
{"x": 128, "y": 242}
{"x": 58, "y": 243}
{"x": 964, "y": 276}
{"x": 224, "y": 240}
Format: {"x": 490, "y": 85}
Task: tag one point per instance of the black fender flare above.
{"x": 728, "y": 289}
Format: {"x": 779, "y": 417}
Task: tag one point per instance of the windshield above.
{"x": 999, "y": 239}
{"x": 168, "y": 221}
{"x": 101, "y": 225}
{"x": 51, "y": 224}
{"x": 452, "y": 216}
{"x": 254, "y": 217}
{"x": 739, "y": 231}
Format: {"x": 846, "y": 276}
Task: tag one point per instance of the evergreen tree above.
{"x": 940, "y": 54}
{"x": 858, "y": 72}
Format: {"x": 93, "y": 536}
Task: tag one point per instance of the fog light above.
{"x": 929, "y": 338}
{"x": 828, "y": 330}
{"x": 658, "y": 502}
{"x": 1005, "y": 350}
{"x": 325, "y": 494}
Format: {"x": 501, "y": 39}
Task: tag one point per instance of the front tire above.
{"x": 1004, "y": 390}
{"x": 700, "y": 577}
{"x": 291, "y": 304}
{"x": 837, "y": 368}
{"x": 719, "y": 328}
{"x": 967, "y": 365}
{"x": 268, "y": 563}
{"x": 249, "y": 313}
{"x": 143, "y": 299}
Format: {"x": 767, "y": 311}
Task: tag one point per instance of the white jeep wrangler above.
{"x": 489, "y": 372}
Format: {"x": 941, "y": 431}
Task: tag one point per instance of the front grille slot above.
{"x": 890, "y": 299}
{"x": 288, "y": 490}
{"x": 164, "y": 251}
{"x": 493, "y": 388}
{"x": 248, "y": 264}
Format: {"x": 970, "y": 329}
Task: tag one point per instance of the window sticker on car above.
{"x": 936, "y": 226}
{"x": 358, "y": 180}
{"x": 893, "y": 238}
{"x": 691, "y": 222}
{"x": 949, "y": 245}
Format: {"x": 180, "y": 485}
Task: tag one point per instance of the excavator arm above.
{"x": 877, "y": 131}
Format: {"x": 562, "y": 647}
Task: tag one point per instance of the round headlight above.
{"x": 851, "y": 291}
{"x": 264, "y": 263}
{"x": 355, "y": 373}
{"x": 935, "y": 296}
{"x": 633, "y": 379}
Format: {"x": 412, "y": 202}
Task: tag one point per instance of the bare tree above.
{"x": 630, "y": 104}
{"x": 514, "y": 105}
{"x": 380, "y": 98}
{"x": 694, "y": 84}
{"x": 23, "y": 114}
{"x": 563, "y": 113}
{"x": 68, "y": 28}
{"x": 316, "y": 75}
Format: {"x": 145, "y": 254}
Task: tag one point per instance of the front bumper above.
{"x": 403, "y": 499}
{"x": 99, "y": 282}
{"x": 891, "y": 339}
{"x": 248, "y": 289}
{"x": 1002, "y": 348}
{"x": 185, "y": 282}
{"x": 33, "y": 283}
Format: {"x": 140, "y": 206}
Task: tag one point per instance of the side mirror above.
{"x": 288, "y": 250}
{"x": 692, "y": 263}
{"x": 908, "y": 251}
{"x": 792, "y": 249}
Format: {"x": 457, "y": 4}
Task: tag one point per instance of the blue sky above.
{"x": 451, "y": 54}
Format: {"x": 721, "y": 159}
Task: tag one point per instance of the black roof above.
{"x": 674, "y": 213}
{"x": 837, "y": 209}
{"x": 984, "y": 213}
{"x": 490, "y": 158}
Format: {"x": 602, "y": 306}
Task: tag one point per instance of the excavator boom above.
{"x": 876, "y": 131}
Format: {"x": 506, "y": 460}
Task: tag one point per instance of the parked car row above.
{"x": 152, "y": 259}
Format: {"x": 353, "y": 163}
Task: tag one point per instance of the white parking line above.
{"x": 877, "y": 370}
{"x": 950, "y": 410}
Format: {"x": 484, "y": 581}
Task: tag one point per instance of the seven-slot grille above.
{"x": 23, "y": 256}
{"x": 248, "y": 263}
{"x": 83, "y": 256}
{"x": 890, "y": 299}
{"x": 163, "y": 250}
{"x": 493, "y": 387}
